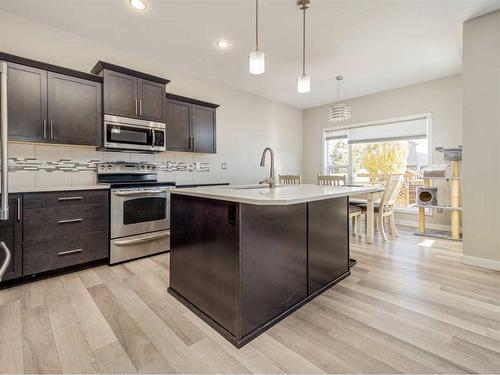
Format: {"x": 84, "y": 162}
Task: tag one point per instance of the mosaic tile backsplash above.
{"x": 17, "y": 164}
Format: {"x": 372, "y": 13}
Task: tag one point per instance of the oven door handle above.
{"x": 142, "y": 239}
{"x": 142, "y": 192}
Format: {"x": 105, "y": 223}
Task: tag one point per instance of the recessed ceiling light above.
{"x": 138, "y": 4}
{"x": 222, "y": 44}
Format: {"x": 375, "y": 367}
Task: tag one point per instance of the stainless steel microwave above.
{"x": 123, "y": 133}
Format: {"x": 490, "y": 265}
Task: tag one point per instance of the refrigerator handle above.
{"x": 6, "y": 262}
{"x": 4, "y": 133}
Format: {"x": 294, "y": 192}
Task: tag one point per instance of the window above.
{"x": 368, "y": 154}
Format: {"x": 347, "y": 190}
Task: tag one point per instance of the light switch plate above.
{"x": 223, "y": 165}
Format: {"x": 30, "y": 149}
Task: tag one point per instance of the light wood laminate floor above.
{"x": 405, "y": 309}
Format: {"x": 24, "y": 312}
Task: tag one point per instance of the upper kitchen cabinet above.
{"x": 27, "y": 101}
{"x": 51, "y": 104}
{"x": 74, "y": 106}
{"x": 191, "y": 125}
{"x": 203, "y": 129}
{"x": 130, "y": 93}
{"x": 120, "y": 94}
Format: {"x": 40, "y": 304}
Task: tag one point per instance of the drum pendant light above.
{"x": 339, "y": 112}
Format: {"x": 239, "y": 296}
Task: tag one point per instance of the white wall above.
{"x": 481, "y": 163}
{"x": 442, "y": 98}
{"x": 245, "y": 123}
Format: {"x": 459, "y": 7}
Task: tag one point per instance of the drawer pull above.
{"x": 69, "y": 198}
{"x": 70, "y": 221}
{"x": 69, "y": 252}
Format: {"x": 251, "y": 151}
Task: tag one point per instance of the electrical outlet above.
{"x": 440, "y": 210}
{"x": 223, "y": 165}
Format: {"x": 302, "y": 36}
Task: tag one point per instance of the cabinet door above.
{"x": 27, "y": 103}
{"x": 74, "y": 110}
{"x": 203, "y": 129}
{"x": 178, "y": 125}
{"x": 120, "y": 94}
{"x": 151, "y": 100}
{"x": 11, "y": 234}
{"x": 328, "y": 241}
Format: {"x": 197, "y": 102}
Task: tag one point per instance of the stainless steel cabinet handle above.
{"x": 69, "y": 198}
{"x": 69, "y": 252}
{"x": 140, "y": 107}
{"x": 193, "y": 144}
{"x": 6, "y": 262}
{"x": 19, "y": 208}
{"x": 51, "y": 129}
{"x": 136, "y": 106}
{"x": 70, "y": 221}
{"x": 45, "y": 129}
{"x": 142, "y": 239}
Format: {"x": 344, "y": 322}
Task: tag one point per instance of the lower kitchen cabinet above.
{"x": 48, "y": 255}
{"x": 11, "y": 234}
{"x": 63, "y": 229}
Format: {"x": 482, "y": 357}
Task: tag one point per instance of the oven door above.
{"x": 139, "y": 211}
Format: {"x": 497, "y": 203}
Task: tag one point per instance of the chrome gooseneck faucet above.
{"x": 271, "y": 180}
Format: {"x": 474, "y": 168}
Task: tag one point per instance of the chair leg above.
{"x": 358, "y": 229}
{"x": 382, "y": 229}
{"x": 392, "y": 223}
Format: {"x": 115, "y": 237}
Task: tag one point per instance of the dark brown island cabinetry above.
{"x": 11, "y": 234}
{"x": 191, "y": 125}
{"x": 244, "y": 267}
{"x": 63, "y": 229}
{"x": 50, "y": 104}
{"x": 130, "y": 93}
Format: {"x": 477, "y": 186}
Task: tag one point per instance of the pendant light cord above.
{"x": 256, "y": 25}
{"x": 304, "y": 41}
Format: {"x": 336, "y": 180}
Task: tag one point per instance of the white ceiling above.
{"x": 376, "y": 44}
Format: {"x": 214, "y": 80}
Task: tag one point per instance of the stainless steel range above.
{"x": 140, "y": 210}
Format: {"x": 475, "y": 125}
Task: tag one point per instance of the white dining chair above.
{"x": 386, "y": 207}
{"x": 290, "y": 179}
{"x": 327, "y": 180}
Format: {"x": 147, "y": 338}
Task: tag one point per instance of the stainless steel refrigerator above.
{"x": 5, "y": 253}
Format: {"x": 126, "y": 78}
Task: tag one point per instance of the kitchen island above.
{"x": 243, "y": 258}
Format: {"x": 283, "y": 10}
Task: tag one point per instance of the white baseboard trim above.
{"x": 481, "y": 262}
{"x": 414, "y": 224}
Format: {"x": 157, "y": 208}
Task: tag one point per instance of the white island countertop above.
{"x": 280, "y": 195}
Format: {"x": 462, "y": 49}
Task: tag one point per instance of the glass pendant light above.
{"x": 304, "y": 81}
{"x": 339, "y": 112}
{"x": 256, "y": 59}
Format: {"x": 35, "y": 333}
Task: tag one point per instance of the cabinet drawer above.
{"x": 47, "y": 255}
{"x": 44, "y": 223}
{"x": 65, "y": 198}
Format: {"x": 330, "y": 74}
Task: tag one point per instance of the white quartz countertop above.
{"x": 42, "y": 189}
{"x": 280, "y": 195}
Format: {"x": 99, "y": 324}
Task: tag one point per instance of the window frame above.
{"x": 343, "y": 129}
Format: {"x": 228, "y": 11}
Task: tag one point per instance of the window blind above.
{"x": 411, "y": 129}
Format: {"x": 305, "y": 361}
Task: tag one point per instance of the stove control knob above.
{"x": 149, "y": 167}
{"x": 110, "y": 167}
{"x": 142, "y": 166}
{"x": 154, "y": 168}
